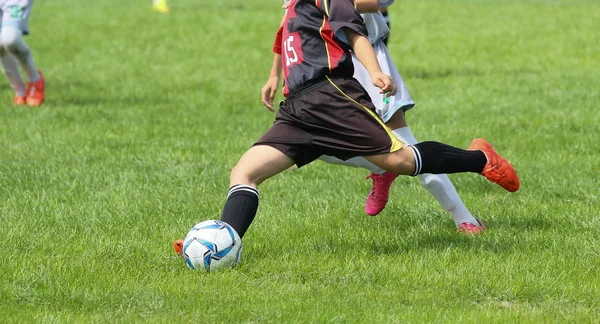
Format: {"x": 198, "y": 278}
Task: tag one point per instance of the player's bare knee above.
{"x": 244, "y": 174}
{"x": 238, "y": 174}
{"x": 403, "y": 162}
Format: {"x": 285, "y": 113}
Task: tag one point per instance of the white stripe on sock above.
{"x": 243, "y": 188}
{"x": 418, "y": 162}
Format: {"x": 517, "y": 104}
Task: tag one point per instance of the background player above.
{"x": 14, "y": 23}
{"x": 391, "y": 110}
{"x": 327, "y": 112}
{"x": 160, "y": 6}
{"x": 386, "y": 15}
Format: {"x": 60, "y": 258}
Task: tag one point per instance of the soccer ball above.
{"x": 212, "y": 245}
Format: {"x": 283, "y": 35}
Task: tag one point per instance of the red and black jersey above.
{"x": 311, "y": 40}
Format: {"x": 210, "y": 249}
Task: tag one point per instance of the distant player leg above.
{"x": 258, "y": 164}
{"x": 11, "y": 39}
{"x": 15, "y": 24}
{"x": 10, "y": 66}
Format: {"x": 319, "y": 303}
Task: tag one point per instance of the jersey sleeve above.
{"x": 343, "y": 14}
{"x": 277, "y": 43}
{"x": 386, "y": 3}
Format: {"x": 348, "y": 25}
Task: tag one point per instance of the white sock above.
{"x": 439, "y": 186}
{"x": 11, "y": 71}
{"x": 11, "y": 38}
{"x": 356, "y": 162}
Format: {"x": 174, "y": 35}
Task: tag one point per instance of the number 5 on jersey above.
{"x": 290, "y": 53}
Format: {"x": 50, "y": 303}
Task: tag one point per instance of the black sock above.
{"x": 240, "y": 208}
{"x": 438, "y": 158}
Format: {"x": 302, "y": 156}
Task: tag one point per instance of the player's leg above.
{"x": 362, "y": 132}
{"x": 355, "y": 162}
{"x": 10, "y": 66}
{"x": 385, "y": 108}
{"x": 439, "y": 158}
{"x": 258, "y": 164}
{"x": 15, "y": 24}
{"x": 438, "y": 185}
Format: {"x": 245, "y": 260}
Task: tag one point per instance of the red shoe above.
{"x": 380, "y": 192}
{"x": 497, "y": 169}
{"x": 178, "y": 246}
{"x": 35, "y": 91}
{"x": 18, "y": 100}
{"x": 471, "y": 229}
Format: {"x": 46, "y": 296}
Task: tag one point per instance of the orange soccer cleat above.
{"x": 18, "y": 100}
{"x": 178, "y": 246}
{"x": 35, "y": 91}
{"x": 497, "y": 169}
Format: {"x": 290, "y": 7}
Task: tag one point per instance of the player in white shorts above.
{"x": 14, "y": 23}
{"x": 391, "y": 110}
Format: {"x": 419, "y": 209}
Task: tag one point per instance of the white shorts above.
{"x": 15, "y": 13}
{"x": 385, "y": 107}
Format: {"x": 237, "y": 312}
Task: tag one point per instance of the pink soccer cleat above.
{"x": 471, "y": 229}
{"x": 380, "y": 192}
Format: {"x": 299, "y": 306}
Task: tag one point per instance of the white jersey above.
{"x": 377, "y": 27}
{"x": 384, "y": 107}
{"x": 15, "y": 13}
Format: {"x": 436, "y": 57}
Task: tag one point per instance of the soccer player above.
{"x": 328, "y": 112}
{"x": 386, "y": 16}
{"x": 391, "y": 110}
{"x": 160, "y": 6}
{"x": 14, "y": 23}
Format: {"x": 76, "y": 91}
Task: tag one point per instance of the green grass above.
{"x": 146, "y": 114}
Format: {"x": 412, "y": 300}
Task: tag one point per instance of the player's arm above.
{"x": 365, "y": 54}
{"x": 270, "y": 89}
{"x": 367, "y": 6}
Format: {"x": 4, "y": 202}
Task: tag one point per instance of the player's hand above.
{"x": 286, "y": 5}
{"x": 385, "y": 83}
{"x": 268, "y": 92}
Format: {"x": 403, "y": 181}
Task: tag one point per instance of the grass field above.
{"x": 147, "y": 113}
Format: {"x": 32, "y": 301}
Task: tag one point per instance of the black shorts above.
{"x": 333, "y": 116}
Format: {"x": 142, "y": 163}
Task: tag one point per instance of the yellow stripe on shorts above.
{"x": 396, "y": 144}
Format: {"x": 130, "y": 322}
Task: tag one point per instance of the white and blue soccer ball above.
{"x": 212, "y": 245}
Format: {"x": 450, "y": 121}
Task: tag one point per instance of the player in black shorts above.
{"x": 327, "y": 112}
